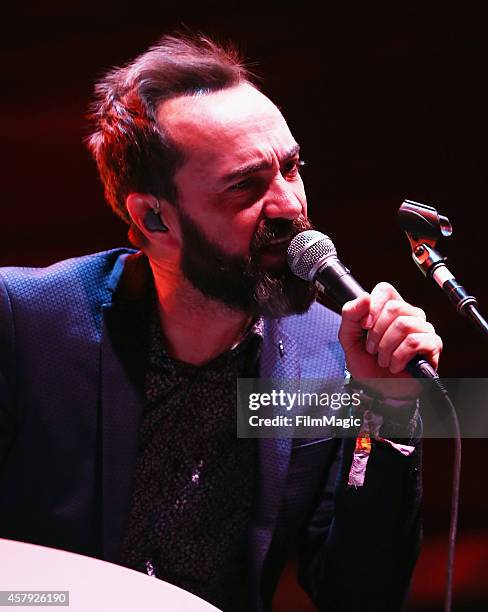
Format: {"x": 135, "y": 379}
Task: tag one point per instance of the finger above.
{"x": 354, "y": 313}
{"x": 394, "y": 335}
{"x": 379, "y": 296}
{"x": 427, "y": 344}
{"x": 391, "y": 310}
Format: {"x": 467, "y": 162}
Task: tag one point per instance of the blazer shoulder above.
{"x": 62, "y": 281}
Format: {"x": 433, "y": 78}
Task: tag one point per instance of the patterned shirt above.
{"x": 194, "y": 479}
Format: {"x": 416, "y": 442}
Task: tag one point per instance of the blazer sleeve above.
{"x": 7, "y": 420}
{"x": 361, "y": 544}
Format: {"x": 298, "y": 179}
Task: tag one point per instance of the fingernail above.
{"x": 382, "y": 361}
{"x": 370, "y": 347}
{"x": 369, "y": 321}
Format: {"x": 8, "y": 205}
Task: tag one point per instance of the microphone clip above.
{"x": 424, "y": 227}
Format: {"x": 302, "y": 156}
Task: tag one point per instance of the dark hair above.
{"x": 132, "y": 152}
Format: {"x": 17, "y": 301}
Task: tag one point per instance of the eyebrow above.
{"x": 258, "y": 166}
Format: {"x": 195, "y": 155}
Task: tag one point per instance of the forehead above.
{"x": 230, "y": 126}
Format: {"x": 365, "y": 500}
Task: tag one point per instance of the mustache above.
{"x": 273, "y": 230}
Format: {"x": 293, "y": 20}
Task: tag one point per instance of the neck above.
{"x": 197, "y": 329}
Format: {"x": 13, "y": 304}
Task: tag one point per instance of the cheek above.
{"x": 241, "y": 229}
{"x": 234, "y": 229}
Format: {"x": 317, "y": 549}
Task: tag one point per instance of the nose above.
{"x": 282, "y": 201}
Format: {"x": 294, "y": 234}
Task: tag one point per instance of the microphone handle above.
{"x": 334, "y": 279}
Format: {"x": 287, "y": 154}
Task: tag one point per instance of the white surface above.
{"x": 93, "y": 585}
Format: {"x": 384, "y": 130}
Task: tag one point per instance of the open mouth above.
{"x": 274, "y": 253}
{"x": 278, "y": 244}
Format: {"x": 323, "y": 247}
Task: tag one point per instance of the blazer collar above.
{"x": 131, "y": 277}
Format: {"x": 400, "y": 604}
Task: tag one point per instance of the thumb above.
{"x": 355, "y": 315}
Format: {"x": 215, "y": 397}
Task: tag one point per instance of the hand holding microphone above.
{"x": 398, "y": 338}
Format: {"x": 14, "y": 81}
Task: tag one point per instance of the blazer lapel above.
{"x": 123, "y": 355}
{"x": 279, "y": 360}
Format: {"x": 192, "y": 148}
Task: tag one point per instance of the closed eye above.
{"x": 292, "y": 168}
{"x": 241, "y": 185}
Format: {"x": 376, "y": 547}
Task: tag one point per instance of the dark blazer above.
{"x": 71, "y": 380}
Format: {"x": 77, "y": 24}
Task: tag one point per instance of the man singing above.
{"x": 118, "y": 370}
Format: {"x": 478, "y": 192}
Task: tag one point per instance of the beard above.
{"x": 246, "y": 283}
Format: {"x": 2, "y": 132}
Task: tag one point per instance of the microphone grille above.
{"x": 306, "y": 250}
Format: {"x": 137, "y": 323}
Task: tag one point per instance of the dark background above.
{"x": 387, "y": 103}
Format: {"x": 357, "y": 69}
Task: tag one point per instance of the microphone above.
{"x": 312, "y": 256}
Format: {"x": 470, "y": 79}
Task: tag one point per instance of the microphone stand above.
{"x": 433, "y": 266}
{"x": 424, "y": 226}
